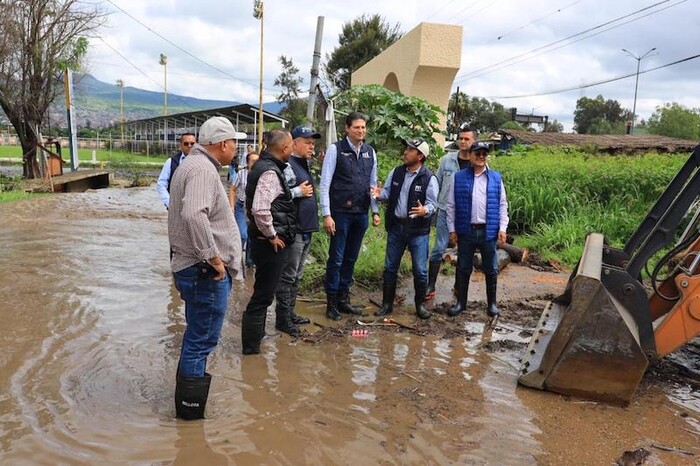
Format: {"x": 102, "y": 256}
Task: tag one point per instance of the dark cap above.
{"x": 480, "y": 146}
{"x": 419, "y": 144}
{"x": 302, "y": 131}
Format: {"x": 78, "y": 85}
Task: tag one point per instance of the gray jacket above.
{"x": 445, "y": 176}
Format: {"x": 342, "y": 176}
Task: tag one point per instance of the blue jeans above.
{"x": 442, "y": 237}
{"x": 206, "y": 301}
{"x": 344, "y": 249}
{"x": 292, "y": 271}
{"x": 239, "y": 213}
{"x": 396, "y": 243}
{"x": 467, "y": 244}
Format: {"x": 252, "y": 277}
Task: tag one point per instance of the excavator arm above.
{"x": 596, "y": 339}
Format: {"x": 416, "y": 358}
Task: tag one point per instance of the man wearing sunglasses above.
{"x": 411, "y": 191}
{"x": 187, "y": 140}
{"x": 477, "y": 218}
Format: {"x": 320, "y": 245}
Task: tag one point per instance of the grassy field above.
{"x": 86, "y": 155}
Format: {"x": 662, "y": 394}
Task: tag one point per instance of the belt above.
{"x": 478, "y": 226}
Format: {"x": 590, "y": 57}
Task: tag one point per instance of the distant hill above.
{"x": 97, "y": 104}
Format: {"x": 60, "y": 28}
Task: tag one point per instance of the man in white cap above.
{"x": 206, "y": 247}
{"x": 411, "y": 191}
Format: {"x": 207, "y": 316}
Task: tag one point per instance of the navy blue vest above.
{"x": 283, "y": 209}
{"x": 464, "y": 186}
{"x": 418, "y": 226}
{"x": 174, "y": 163}
{"x": 349, "y": 190}
{"x": 307, "y": 215}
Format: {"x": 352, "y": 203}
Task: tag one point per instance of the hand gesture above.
{"x": 307, "y": 189}
{"x": 375, "y": 191}
{"x": 501, "y": 238}
{"x": 277, "y": 243}
{"x": 329, "y": 225}
{"x": 418, "y": 211}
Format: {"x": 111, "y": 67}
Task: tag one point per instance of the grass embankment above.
{"x": 556, "y": 197}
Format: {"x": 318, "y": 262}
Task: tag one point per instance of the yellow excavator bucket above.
{"x": 586, "y": 343}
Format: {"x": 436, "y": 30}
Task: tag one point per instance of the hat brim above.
{"x": 312, "y": 136}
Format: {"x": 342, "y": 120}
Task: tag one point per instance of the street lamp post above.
{"x": 636, "y": 82}
{"x": 258, "y": 14}
{"x": 120, "y": 84}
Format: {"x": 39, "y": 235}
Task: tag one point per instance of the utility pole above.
{"x": 636, "y": 82}
{"x": 120, "y": 85}
{"x": 164, "y": 61}
{"x": 314, "y": 70}
{"x": 258, "y": 14}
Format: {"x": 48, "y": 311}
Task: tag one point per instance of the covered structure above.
{"x": 160, "y": 134}
{"x": 423, "y": 63}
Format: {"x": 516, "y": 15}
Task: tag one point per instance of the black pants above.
{"x": 268, "y": 268}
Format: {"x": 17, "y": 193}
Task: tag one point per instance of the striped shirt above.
{"x": 201, "y": 225}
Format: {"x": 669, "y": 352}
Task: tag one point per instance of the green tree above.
{"x": 554, "y": 126}
{"x": 290, "y": 83}
{"x": 675, "y": 120}
{"x": 479, "y": 113}
{"x": 392, "y": 117}
{"x": 361, "y": 40}
{"x": 600, "y": 116}
{"x": 40, "y": 39}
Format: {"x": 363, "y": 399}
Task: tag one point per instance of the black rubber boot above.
{"x": 388, "y": 295}
{"x": 433, "y": 271}
{"x": 299, "y": 320}
{"x": 421, "y": 311}
{"x": 191, "y": 395}
{"x": 252, "y": 332}
{"x": 332, "y": 307}
{"x": 491, "y": 308}
{"x": 462, "y": 290}
{"x": 284, "y": 324}
{"x": 344, "y": 305}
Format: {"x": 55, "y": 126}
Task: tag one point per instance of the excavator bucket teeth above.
{"x": 586, "y": 343}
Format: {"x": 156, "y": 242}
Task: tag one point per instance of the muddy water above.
{"x": 91, "y": 329}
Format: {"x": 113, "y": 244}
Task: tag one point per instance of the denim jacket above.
{"x": 445, "y": 176}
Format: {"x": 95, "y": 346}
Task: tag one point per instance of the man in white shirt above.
{"x": 187, "y": 140}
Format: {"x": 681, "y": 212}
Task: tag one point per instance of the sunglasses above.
{"x": 480, "y": 154}
{"x": 188, "y": 144}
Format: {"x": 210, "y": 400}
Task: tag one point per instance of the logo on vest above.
{"x": 419, "y": 189}
{"x": 365, "y": 155}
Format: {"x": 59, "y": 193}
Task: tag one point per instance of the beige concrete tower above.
{"x": 423, "y": 63}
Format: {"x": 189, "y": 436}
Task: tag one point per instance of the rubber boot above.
{"x": 284, "y": 324}
{"x": 252, "y": 332}
{"x": 388, "y": 295}
{"x": 421, "y": 311}
{"x": 191, "y": 395}
{"x": 491, "y": 308}
{"x": 344, "y": 305}
{"x": 332, "y": 306}
{"x": 433, "y": 270}
{"x": 462, "y": 290}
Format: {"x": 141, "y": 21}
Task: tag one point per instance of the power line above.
{"x": 575, "y": 41}
{"x": 495, "y": 65}
{"x": 182, "y": 49}
{"x": 597, "y": 83}
{"x": 541, "y": 18}
{"x": 439, "y": 9}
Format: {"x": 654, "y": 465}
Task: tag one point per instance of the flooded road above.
{"x": 91, "y": 331}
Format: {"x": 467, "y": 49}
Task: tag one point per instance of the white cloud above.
{"x": 225, "y": 35}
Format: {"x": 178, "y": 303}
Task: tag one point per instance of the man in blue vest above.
{"x": 187, "y": 140}
{"x": 412, "y": 191}
{"x": 301, "y": 183}
{"x": 477, "y": 218}
{"x": 349, "y": 173}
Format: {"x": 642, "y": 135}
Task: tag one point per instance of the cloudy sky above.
{"x": 510, "y": 48}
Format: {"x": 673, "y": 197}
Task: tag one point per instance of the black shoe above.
{"x": 332, "y": 306}
{"x": 491, "y": 308}
{"x": 433, "y": 270}
{"x": 388, "y": 295}
{"x": 462, "y": 290}
{"x": 299, "y": 320}
{"x": 191, "y": 395}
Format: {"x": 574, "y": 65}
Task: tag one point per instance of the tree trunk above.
{"x": 28, "y": 140}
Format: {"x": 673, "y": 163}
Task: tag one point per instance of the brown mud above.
{"x": 92, "y": 329}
